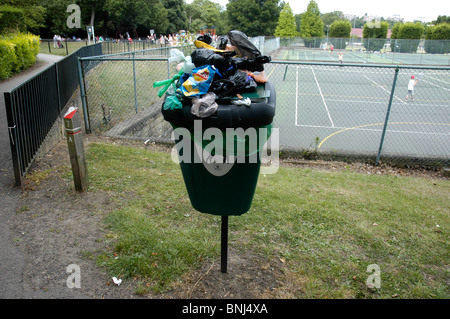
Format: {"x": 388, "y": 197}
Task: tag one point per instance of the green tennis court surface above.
{"x": 343, "y": 109}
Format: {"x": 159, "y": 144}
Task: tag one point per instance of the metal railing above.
{"x": 329, "y": 110}
{"x": 33, "y": 107}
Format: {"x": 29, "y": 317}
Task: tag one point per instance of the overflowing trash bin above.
{"x": 221, "y": 107}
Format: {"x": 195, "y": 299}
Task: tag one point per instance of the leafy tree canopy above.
{"x": 33, "y": 13}
{"x": 312, "y": 25}
{"x": 340, "y": 29}
{"x": 254, "y": 17}
{"x": 286, "y": 23}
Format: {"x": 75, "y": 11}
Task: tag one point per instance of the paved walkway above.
{"x": 11, "y": 256}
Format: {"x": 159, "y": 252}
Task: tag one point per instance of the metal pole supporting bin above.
{"x": 223, "y": 188}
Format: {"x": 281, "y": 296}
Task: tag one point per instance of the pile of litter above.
{"x": 234, "y": 67}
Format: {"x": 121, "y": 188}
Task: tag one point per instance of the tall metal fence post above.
{"x": 134, "y": 81}
{"x": 13, "y": 140}
{"x": 83, "y": 96}
{"x": 387, "y": 116}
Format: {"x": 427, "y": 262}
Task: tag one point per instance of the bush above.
{"x": 8, "y": 59}
{"x": 438, "y": 39}
{"x": 340, "y": 30}
{"x": 408, "y": 37}
{"x": 375, "y": 36}
{"x": 17, "y": 52}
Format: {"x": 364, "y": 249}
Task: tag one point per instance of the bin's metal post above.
{"x": 72, "y": 123}
{"x": 224, "y": 245}
{"x": 387, "y": 115}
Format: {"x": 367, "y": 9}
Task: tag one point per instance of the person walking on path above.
{"x": 411, "y": 84}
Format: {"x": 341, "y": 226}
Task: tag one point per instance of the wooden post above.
{"x": 72, "y": 124}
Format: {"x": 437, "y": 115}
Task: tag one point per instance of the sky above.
{"x": 409, "y": 10}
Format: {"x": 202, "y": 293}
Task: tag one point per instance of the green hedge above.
{"x": 17, "y": 52}
{"x": 438, "y": 39}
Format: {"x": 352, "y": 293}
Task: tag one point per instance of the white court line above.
{"x": 384, "y": 102}
{"x": 323, "y": 99}
{"x": 383, "y": 88}
{"x": 432, "y": 77}
{"x": 435, "y": 85}
{"x": 357, "y": 57}
{"x": 373, "y": 129}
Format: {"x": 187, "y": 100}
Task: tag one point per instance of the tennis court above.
{"x": 322, "y": 106}
{"x": 343, "y": 109}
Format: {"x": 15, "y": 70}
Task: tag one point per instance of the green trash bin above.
{"x": 224, "y": 188}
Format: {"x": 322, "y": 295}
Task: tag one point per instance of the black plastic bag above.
{"x": 225, "y": 64}
{"x": 239, "y": 82}
{"x": 243, "y": 44}
{"x": 243, "y": 82}
{"x": 222, "y": 45}
{"x": 205, "y": 38}
{"x": 203, "y": 56}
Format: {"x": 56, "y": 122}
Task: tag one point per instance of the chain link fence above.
{"x": 332, "y": 111}
{"x": 357, "y": 50}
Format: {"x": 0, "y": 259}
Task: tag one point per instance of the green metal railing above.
{"x": 34, "y": 106}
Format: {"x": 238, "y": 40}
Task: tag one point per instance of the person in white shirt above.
{"x": 411, "y": 84}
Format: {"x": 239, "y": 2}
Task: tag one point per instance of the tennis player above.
{"x": 411, "y": 84}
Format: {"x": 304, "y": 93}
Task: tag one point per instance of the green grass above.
{"x": 326, "y": 226}
{"x": 111, "y": 92}
{"x": 71, "y": 47}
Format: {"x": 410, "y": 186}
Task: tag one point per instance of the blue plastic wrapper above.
{"x": 198, "y": 82}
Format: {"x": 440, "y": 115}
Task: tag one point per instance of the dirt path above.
{"x": 11, "y": 256}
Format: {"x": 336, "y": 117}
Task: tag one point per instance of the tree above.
{"x": 56, "y": 18}
{"x": 330, "y": 17}
{"x": 438, "y": 39}
{"x": 176, "y": 15}
{"x": 127, "y": 15}
{"x": 374, "y": 35}
{"x": 33, "y": 14}
{"x": 406, "y": 36}
{"x": 254, "y": 17}
{"x": 395, "y": 31}
{"x": 298, "y": 22}
{"x": 205, "y": 13}
{"x": 441, "y": 19}
{"x": 286, "y": 23}
{"x": 312, "y": 25}
{"x": 339, "y": 31}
